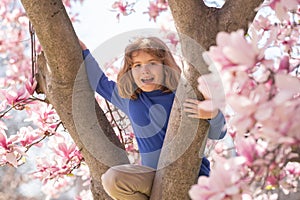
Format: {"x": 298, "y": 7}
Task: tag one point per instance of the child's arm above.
{"x": 99, "y": 81}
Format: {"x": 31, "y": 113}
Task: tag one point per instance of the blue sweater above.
{"x": 148, "y": 114}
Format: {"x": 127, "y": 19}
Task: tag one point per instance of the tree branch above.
{"x": 68, "y": 90}
{"x": 193, "y": 17}
{"x": 197, "y": 26}
{"x": 237, "y": 14}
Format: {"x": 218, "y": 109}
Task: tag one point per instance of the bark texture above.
{"x": 62, "y": 77}
{"x": 197, "y": 26}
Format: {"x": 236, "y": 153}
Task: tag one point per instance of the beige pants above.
{"x": 128, "y": 182}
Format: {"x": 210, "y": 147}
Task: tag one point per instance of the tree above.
{"x": 62, "y": 62}
{"x": 178, "y": 176}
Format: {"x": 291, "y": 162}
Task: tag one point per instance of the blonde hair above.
{"x": 156, "y": 48}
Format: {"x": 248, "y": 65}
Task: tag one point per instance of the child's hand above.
{"x": 83, "y": 46}
{"x": 200, "y": 109}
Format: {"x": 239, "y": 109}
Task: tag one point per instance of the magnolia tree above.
{"x": 258, "y": 72}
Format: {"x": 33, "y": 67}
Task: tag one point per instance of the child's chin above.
{"x": 149, "y": 88}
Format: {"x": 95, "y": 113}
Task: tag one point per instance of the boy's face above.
{"x": 147, "y": 71}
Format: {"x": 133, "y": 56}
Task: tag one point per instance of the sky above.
{"x": 98, "y": 23}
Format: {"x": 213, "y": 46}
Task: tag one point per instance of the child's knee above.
{"x": 109, "y": 181}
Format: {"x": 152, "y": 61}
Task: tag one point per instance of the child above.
{"x": 145, "y": 91}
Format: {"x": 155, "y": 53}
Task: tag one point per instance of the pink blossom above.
{"x": 52, "y": 172}
{"x": 156, "y": 8}
{"x": 57, "y": 186}
{"x": 284, "y": 64}
{"x": 261, "y": 74}
{"x": 293, "y": 168}
{"x": 9, "y": 150}
{"x": 45, "y": 117}
{"x": 65, "y": 149}
{"x": 46, "y": 170}
{"x": 123, "y": 8}
{"x": 277, "y": 125}
{"x": 14, "y": 95}
{"x": 288, "y": 87}
{"x": 68, "y": 3}
{"x": 84, "y": 195}
{"x": 250, "y": 149}
{"x": 214, "y": 187}
{"x": 56, "y": 170}
{"x": 262, "y": 22}
{"x": 28, "y": 136}
{"x": 246, "y": 148}
{"x": 233, "y": 50}
{"x": 279, "y": 128}
{"x": 31, "y": 85}
{"x": 281, "y": 7}
{"x": 243, "y": 108}
{"x": 172, "y": 37}
{"x": 290, "y": 181}
{"x": 3, "y": 140}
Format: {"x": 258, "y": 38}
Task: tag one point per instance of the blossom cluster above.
{"x": 126, "y": 8}
{"x": 260, "y": 94}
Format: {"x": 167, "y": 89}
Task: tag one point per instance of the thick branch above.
{"x": 197, "y": 26}
{"x": 237, "y": 14}
{"x": 195, "y": 20}
{"x": 68, "y": 90}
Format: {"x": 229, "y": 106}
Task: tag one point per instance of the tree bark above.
{"x": 63, "y": 76}
{"x": 197, "y": 26}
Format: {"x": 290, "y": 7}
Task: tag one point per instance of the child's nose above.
{"x": 145, "y": 68}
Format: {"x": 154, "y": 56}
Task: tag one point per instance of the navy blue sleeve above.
{"x": 101, "y": 84}
{"x": 205, "y": 167}
{"x": 217, "y": 129}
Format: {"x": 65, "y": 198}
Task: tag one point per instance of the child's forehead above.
{"x": 145, "y": 43}
{"x": 141, "y": 55}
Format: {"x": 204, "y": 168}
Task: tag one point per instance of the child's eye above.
{"x": 136, "y": 66}
{"x": 155, "y": 63}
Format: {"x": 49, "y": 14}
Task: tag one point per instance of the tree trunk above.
{"x": 185, "y": 141}
{"x": 67, "y": 88}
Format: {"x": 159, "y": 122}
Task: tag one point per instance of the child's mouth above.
{"x": 147, "y": 80}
